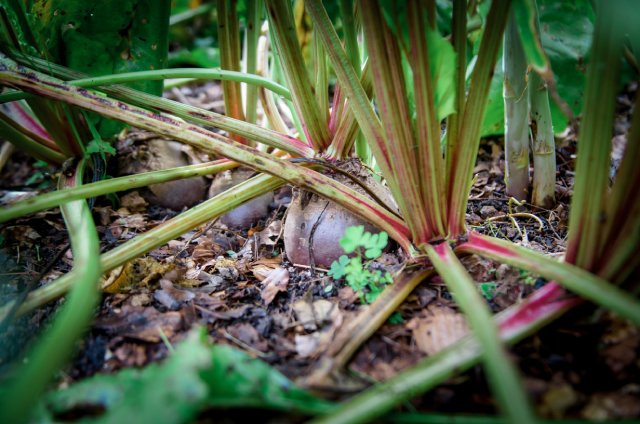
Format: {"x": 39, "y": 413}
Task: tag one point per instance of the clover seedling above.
{"x": 368, "y": 284}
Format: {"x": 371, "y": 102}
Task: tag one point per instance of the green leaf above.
{"x": 101, "y": 38}
{"x": 237, "y": 380}
{"x": 100, "y": 146}
{"x": 488, "y": 289}
{"x": 337, "y": 270}
{"x": 376, "y": 244}
{"x": 526, "y": 18}
{"x": 197, "y": 376}
{"x": 352, "y": 238}
{"x": 172, "y": 392}
{"x": 442, "y": 60}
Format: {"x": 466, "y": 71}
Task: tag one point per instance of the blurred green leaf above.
{"x": 172, "y": 392}
{"x": 198, "y": 376}
{"x": 352, "y": 238}
{"x": 236, "y": 379}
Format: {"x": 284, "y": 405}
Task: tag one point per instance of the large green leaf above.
{"x": 566, "y": 29}
{"x": 197, "y": 376}
{"x": 104, "y": 37}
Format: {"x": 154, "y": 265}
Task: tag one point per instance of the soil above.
{"x": 239, "y": 284}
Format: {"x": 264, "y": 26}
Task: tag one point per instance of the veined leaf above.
{"x": 101, "y": 38}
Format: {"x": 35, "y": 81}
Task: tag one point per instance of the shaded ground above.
{"x": 240, "y": 285}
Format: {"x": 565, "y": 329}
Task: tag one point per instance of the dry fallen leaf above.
{"x": 436, "y": 328}
{"x": 275, "y": 282}
{"x": 269, "y": 235}
{"x": 133, "y": 202}
{"x": 170, "y": 296}
{"x": 136, "y": 273}
{"x": 142, "y": 323}
{"x": 312, "y": 316}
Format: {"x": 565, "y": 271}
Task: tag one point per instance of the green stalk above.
{"x": 198, "y": 74}
{"x": 321, "y": 86}
{"x": 158, "y": 236}
{"x": 579, "y": 281}
{"x": 348, "y": 130}
{"x": 162, "y": 74}
{"x": 393, "y": 108}
{"x": 28, "y": 142}
{"x": 6, "y": 150}
{"x": 467, "y": 143}
{"x": 210, "y": 142}
{"x": 544, "y": 147}
{"x": 252, "y": 33}
{"x": 186, "y": 112}
{"x": 516, "y": 113}
{"x": 430, "y": 164}
{"x": 189, "y": 14}
{"x": 314, "y": 120}
{"x": 229, "y": 42}
{"x": 459, "y": 41}
{"x": 433, "y": 370}
{"x": 350, "y": 82}
{"x": 621, "y": 233}
{"x": 503, "y": 377}
{"x": 57, "y": 198}
{"x": 57, "y": 345}
{"x": 350, "y": 33}
{"x": 347, "y": 16}
{"x": 592, "y": 165}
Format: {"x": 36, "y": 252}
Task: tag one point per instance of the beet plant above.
{"x": 416, "y": 79}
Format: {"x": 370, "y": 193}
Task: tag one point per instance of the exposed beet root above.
{"x": 154, "y": 154}
{"x": 247, "y": 214}
{"x": 314, "y": 225}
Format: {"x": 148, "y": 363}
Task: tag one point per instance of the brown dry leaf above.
{"x": 612, "y": 406}
{"x": 275, "y": 283}
{"x": 557, "y": 399}
{"x": 227, "y": 268}
{"x": 269, "y": 235}
{"x": 134, "y": 221}
{"x": 170, "y": 296}
{"x": 139, "y": 272}
{"x": 142, "y": 323}
{"x": 312, "y": 316}
{"x": 311, "y": 345}
{"x": 437, "y": 328}
{"x": 307, "y": 344}
{"x": 206, "y": 249}
{"x": 248, "y": 335}
{"x": 133, "y": 202}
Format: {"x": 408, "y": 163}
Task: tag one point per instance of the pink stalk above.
{"x": 19, "y": 114}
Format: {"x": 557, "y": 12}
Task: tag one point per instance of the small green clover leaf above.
{"x": 352, "y": 238}
{"x": 367, "y": 283}
{"x": 337, "y": 270}
{"x": 375, "y": 245}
